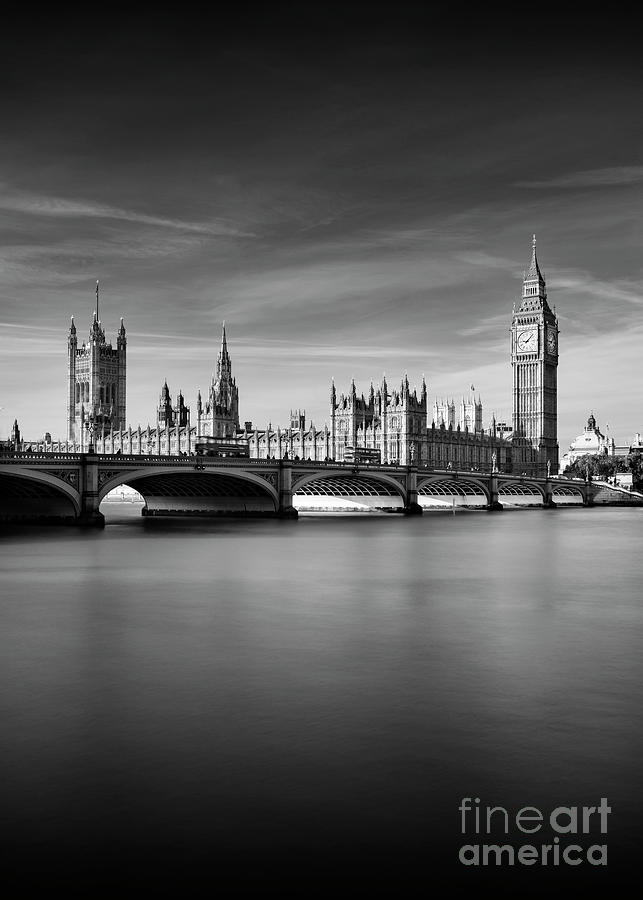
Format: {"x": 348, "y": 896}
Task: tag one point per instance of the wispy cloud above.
{"x": 497, "y": 323}
{"x": 42, "y": 205}
{"x": 614, "y": 175}
{"x": 612, "y": 292}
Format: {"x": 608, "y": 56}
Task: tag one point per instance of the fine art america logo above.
{"x": 563, "y": 828}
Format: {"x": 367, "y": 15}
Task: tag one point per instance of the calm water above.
{"x": 279, "y": 702}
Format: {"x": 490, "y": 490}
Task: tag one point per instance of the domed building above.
{"x": 590, "y": 443}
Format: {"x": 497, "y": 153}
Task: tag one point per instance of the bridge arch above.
{"x": 513, "y": 487}
{"x": 210, "y": 481}
{"x": 337, "y": 476}
{"x": 568, "y": 490}
{"x": 451, "y": 486}
{"x": 54, "y": 488}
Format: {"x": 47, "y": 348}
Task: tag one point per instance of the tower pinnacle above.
{"x": 534, "y": 270}
{"x": 534, "y": 292}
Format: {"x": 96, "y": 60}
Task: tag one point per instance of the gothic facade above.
{"x": 534, "y": 362}
{"x": 219, "y": 416}
{"x": 96, "y": 382}
{"x": 392, "y": 422}
{"x": 173, "y": 433}
{"x": 388, "y": 420}
{"x": 469, "y": 417}
{"x": 168, "y": 415}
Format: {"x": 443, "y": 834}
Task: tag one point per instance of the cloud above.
{"x": 498, "y": 323}
{"x": 612, "y": 292}
{"x": 616, "y": 175}
{"x": 41, "y": 205}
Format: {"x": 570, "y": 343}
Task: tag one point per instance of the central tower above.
{"x": 96, "y": 382}
{"x": 534, "y": 361}
{"x": 220, "y": 418}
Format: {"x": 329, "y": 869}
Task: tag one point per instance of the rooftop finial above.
{"x": 534, "y": 270}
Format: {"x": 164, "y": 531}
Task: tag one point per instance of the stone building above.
{"x": 591, "y": 442}
{"x": 295, "y": 442}
{"x": 96, "y": 382}
{"x": 391, "y": 422}
{"x": 169, "y": 416}
{"x": 534, "y": 363}
{"x": 174, "y": 432}
{"x": 388, "y": 420}
{"x": 470, "y": 418}
{"x": 391, "y": 425}
{"x": 219, "y": 417}
{"x": 469, "y": 413}
{"x": 444, "y": 412}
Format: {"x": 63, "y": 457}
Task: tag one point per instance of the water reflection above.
{"x": 248, "y": 694}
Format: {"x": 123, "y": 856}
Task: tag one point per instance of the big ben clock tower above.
{"x": 534, "y": 361}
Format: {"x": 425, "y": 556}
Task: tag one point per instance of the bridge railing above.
{"x": 37, "y": 458}
{"x": 8, "y": 459}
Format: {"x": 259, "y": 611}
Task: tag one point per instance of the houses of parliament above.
{"x": 392, "y": 422}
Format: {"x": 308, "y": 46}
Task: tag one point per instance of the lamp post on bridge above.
{"x": 96, "y": 421}
{"x": 494, "y": 501}
{"x": 90, "y": 427}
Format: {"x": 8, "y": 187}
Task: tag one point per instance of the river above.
{"x": 303, "y": 705}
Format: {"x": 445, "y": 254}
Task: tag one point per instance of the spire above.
{"x": 534, "y": 293}
{"x": 224, "y": 344}
{"x": 534, "y": 271}
{"x": 97, "y": 300}
{"x": 72, "y": 327}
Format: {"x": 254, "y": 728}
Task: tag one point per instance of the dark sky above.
{"x": 353, "y": 189}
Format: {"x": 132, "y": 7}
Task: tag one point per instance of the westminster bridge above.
{"x": 69, "y": 488}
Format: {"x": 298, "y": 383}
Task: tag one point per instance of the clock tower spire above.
{"x": 534, "y": 361}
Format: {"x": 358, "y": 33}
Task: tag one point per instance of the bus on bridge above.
{"x": 363, "y": 456}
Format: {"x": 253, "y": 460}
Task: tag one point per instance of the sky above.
{"x": 353, "y": 191}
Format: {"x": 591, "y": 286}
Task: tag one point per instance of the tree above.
{"x": 635, "y": 465}
{"x": 599, "y": 465}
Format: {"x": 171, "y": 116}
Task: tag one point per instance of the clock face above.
{"x": 528, "y": 341}
{"x": 551, "y": 341}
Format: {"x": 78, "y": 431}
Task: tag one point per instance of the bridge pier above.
{"x": 548, "y": 502}
{"x": 90, "y": 514}
{"x": 412, "y": 507}
{"x": 286, "y": 509}
{"x": 494, "y": 504}
{"x": 588, "y": 497}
